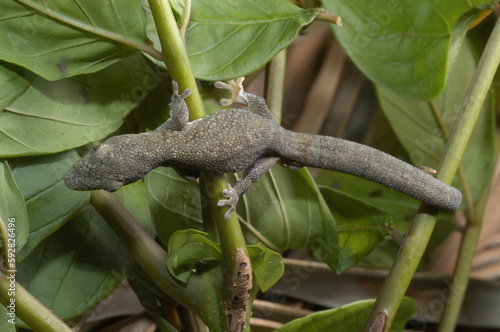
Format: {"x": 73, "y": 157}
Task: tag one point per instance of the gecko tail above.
{"x": 353, "y": 158}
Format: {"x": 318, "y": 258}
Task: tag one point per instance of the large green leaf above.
{"x": 361, "y": 226}
{"x": 416, "y": 127}
{"x": 174, "y": 203}
{"x": 6, "y": 324}
{"x": 76, "y": 267}
{"x": 57, "y": 40}
{"x": 134, "y": 198}
{"x": 349, "y": 318}
{"x": 283, "y": 210}
{"x": 55, "y": 116}
{"x": 13, "y": 85}
{"x": 405, "y": 46}
{"x": 398, "y": 206}
{"x": 228, "y": 38}
{"x": 49, "y": 203}
{"x": 82, "y": 263}
{"x": 12, "y": 208}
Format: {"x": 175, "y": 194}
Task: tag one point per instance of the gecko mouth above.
{"x": 75, "y": 180}
{"x": 79, "y": 184}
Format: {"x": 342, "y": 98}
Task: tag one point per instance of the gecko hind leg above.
{"x": 260, "y": 167}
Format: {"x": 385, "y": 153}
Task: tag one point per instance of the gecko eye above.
{"x": 95, "y": 148}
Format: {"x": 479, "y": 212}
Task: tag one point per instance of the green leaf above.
{"x": 174, "y": 203}
{"x": 284, "y": 209}
{"x": 349, "y": 318}
{"x": 55, "y": 116}
{"x": 13, "y": 85}
{"x": 398, "y": 205}
{"x": 83, "y": 252}
{"x": 57, "y": 40}
{"x": 49, "y": 203}
{"x": 267, "y": 265}
{"x": 186, "y": 248}
{"x": 5, "y": 325}
{"x": 133, "y": 197}
{"x": 190, "y": 246}
{"x": 228, "y": 38}
{"x": 12, "y": 207}
{"x": 416, "y": 127}
{"x": 152, "y": 32}
{"x": 405, "y": 46}
{"x": 361, "y": 226}
{"x": 82, "y": 262}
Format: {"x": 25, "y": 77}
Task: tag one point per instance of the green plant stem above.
{"x": 185, "y": 20}
{"x": 275, "y": 81}
{"x": 422, "y": 226}
{"x": 460, "y": 278}
{"x": 404, "y": 266}
{"x": 175, "y": 55}
{"x": 29, "y": 309}
{"x": 5, "y": 240}
{"x": 478, "y": 90}
{"x": 229, "y": 232}
{"x": 467, "y": 195}
{"x": 151, "y": 257}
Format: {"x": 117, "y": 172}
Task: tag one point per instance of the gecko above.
{"x": 244, "y": 138}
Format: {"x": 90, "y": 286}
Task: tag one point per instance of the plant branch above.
{"x": 229, "y": 232}
{"x": 5, "y": 241}
{"x": 175, "y": 55}
{"x": 330, "y": 18}
{"x": 461, "y": 172}
{"x": 29, "y": 309}
{"x": 476, "y": 95}
{"x": 185, "y": 20}
{"x": 151, "y": 257}
{"x": 275, "y": 82}
{"x": 234, "y": 253}
{"x": 422, "y": 226}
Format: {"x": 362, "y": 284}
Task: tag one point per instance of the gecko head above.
{"x": 106, "y": 166}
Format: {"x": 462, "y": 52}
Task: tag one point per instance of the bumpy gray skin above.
{"x": 246, "y": 140}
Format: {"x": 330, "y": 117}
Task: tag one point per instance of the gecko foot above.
{"x": 186, "y": 93}
{"x": 231, "y": 202}
{"x": 238, "y": 95}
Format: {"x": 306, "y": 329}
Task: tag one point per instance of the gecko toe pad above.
{"x": 232, "y": 200}
{"x": 238, "y": 95}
